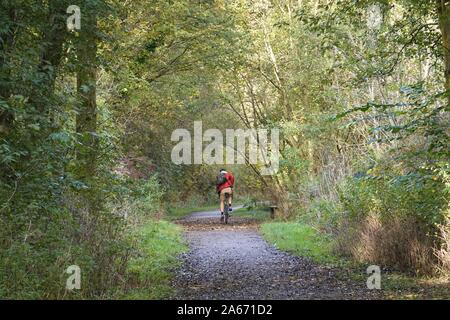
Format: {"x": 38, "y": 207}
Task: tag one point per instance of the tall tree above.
{"x": 54, "y": 36}
{"x": 86, "y": 120}
{"x": 443, "y": 9}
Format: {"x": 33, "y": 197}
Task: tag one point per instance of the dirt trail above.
{"x": 234, "y": 262}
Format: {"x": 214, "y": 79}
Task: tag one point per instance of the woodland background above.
{"x": 86, "y": 119}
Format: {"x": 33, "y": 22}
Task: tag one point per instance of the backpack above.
{"x": 221, "y": 178}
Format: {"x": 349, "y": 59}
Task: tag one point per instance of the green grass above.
{"x": 302, "y": 240}
{"x": 173, "y": 213}
{"x": 150, "y": 270}
{"x": 257, "y": 214}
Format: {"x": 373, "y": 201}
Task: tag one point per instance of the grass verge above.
{"x": 150, "y": 270}
{"x": 302, "y": 240}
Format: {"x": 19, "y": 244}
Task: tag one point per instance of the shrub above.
{"x": 391, "y": 221}
{"x": 321, "y": 213}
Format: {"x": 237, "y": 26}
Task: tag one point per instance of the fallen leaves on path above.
{"x": 234, "y": 262}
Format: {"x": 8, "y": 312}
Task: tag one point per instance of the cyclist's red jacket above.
{"x": 228, "y": 183}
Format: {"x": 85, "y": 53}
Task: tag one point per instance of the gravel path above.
{"x": 234, "y": 262}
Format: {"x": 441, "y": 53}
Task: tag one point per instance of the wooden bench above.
{"x": 273, "y": 211}
{"x": 267, "y": 204}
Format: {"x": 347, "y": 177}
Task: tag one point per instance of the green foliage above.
{"x": 144, "y": 199}
{"x": 321, "y": 213}
{"x": 410, "y": 195}
{"x": 292, "y": 66}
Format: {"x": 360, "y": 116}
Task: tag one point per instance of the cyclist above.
{"x": 224, "y": 184}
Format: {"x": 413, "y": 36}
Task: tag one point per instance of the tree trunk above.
{"x": 54, "y": 41}
{"x": 86, "y": 120}
{"x": 54, "y": 36}
{"x": 443, "y": 7}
